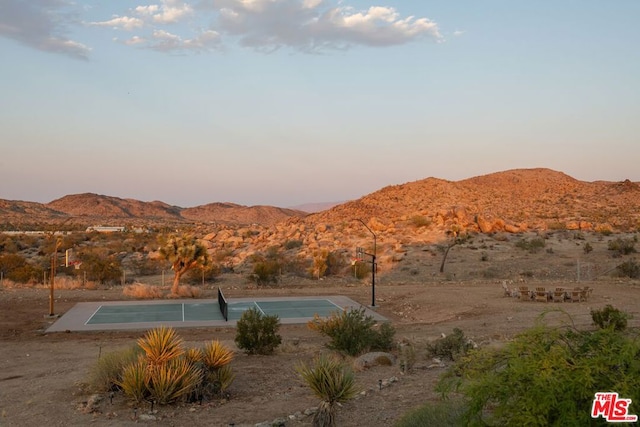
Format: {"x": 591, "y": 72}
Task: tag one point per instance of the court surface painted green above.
{"x": 114, "y": 315}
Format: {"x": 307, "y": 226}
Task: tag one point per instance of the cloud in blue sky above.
{"x": 42, "y": 25}
{"x": 175, "y": 26}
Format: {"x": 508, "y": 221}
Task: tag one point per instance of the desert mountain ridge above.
{"x": 512, "y": 201}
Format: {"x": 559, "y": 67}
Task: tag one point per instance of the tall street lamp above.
{"x": 360, "y": 252}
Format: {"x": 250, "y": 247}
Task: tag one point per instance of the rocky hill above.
{"x": 425, "y": 212}
{"x": 82, "y": 210}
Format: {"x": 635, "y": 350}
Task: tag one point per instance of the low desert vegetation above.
{"x": 257, "y": 333}
{"x": 550, "y": 371}
{"x": 160, "y": 369}
{"x": 332, "y": 382}
{"x": 450, "y": 347}
{"x": 353, "y": 332}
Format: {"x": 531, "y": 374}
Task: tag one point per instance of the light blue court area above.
{"x": 116, "y": 315}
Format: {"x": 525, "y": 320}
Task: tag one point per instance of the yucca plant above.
{"x": 194, "y": 355}
{"x": 216, "y": 355}
{"x": 161, "y": 345}
{"x": 133, "y": 381}
{"x": 331, "y": 381}
{"x": 220, "y": 379}
{"x": 173, "y": 380}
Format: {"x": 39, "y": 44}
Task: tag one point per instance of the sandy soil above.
{"x": 43, "y": 376}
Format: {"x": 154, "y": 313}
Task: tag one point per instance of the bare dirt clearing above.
{"x": 42, "y": 376}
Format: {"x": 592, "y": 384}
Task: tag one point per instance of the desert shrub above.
{"x": 16, "y": 267}
{"x": 161, "y": 370}
{"x": 420, "y": 221}
{"x": 448, "y": 412}
{"x": 145, "y": 266}
{"x": 361, "y": 269}
{"x": 100, "y": 268}
{"x": 587, "y": 248}
{"x": 451, "y": 346}
{"x": 533, "y": 245}
{"x": 172, "y": 380}
{"x": 142, "y": 291}
{"x": 161, "y": 345}
{"x": 622, "y": 246}
{"x": 106, "y": 374}
{"x": 133, "y": 380}
{"x": 407, "y": 356}
{"x": 292, "y": 244}
{"x": 610, "y": 317}
{"x": 266, "y": 269}
{"x": 208, "y": 273}
{"x": 629, "y": 268}
{"x": 353, "y": 332}
{"x": 257, "y": 333}
{"x": 215, "y": 355}
{"x": 332, "y": 382}
{"x": 553, "y": 372}
{"x": 326, "y": 263}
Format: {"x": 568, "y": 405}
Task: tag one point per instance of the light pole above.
{"x": 373, "y": 263}
{"x": 54, "y": 259}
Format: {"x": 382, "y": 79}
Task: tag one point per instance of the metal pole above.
{"x": 373, "y": 265}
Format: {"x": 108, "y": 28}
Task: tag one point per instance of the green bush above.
{"x": 420, "y": 221}
{"x": 610, "y": 317}
{"x": 545, "y": 376}
{"x": 587, "y": 248}
{"x": 292, "y": 244}
{"x": 629, "y": 268}
{"x": 442, "y": 413}
{"x": 265, "y": 270}
{"x": 533, "y": 245}
{"x": 451, "y": 347}
{"x": 258, "y": 333}
{"x": 106, "y": 374}
{"x": 353, "y": 332}
{"x": 622, "y": 246}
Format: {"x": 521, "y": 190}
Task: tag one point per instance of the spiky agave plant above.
{"x": 331, "y": 381}
{"x": 216, "y": 355}
{"x": 172, "y": 380}
{"x": 161, "y": 345}
{"x": 133, "y": 380}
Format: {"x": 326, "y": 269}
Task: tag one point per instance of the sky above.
{"x": 287, "y": 102}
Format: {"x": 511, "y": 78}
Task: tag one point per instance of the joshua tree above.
{"x": 456, "y": 238}
{"x": 184, "y": 253}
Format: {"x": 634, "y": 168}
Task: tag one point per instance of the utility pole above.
{"x": 360, "y": 252}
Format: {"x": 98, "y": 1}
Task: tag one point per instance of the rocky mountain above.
{"x": 425, "y": 212}
{"x": 511, "y": 201}
{"x": 82, "y": 210}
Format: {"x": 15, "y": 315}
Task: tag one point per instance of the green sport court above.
{"x": 119, "y": 315}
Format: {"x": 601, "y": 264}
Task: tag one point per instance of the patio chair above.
{"x": 576, "y": 295}
{"x": 525, "y": 294}
{"x": 586, "y": 293}
{"x": 558, "y": 295}
{"x": 542, "y": 295}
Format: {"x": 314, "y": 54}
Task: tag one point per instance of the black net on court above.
{"x": 224, "y": 307}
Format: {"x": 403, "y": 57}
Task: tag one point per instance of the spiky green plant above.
{"x": 332, "y": 382}
{"x": 219, "y": 380}
{"x": 216, "y": 355}
{"x": 173, "y": 380}
{"x": 194, "y": 355}
{"x": 161, "y": 345}
{"x": 133, "y": 380}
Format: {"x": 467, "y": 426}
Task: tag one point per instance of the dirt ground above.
{"x": 43, "y": 376}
